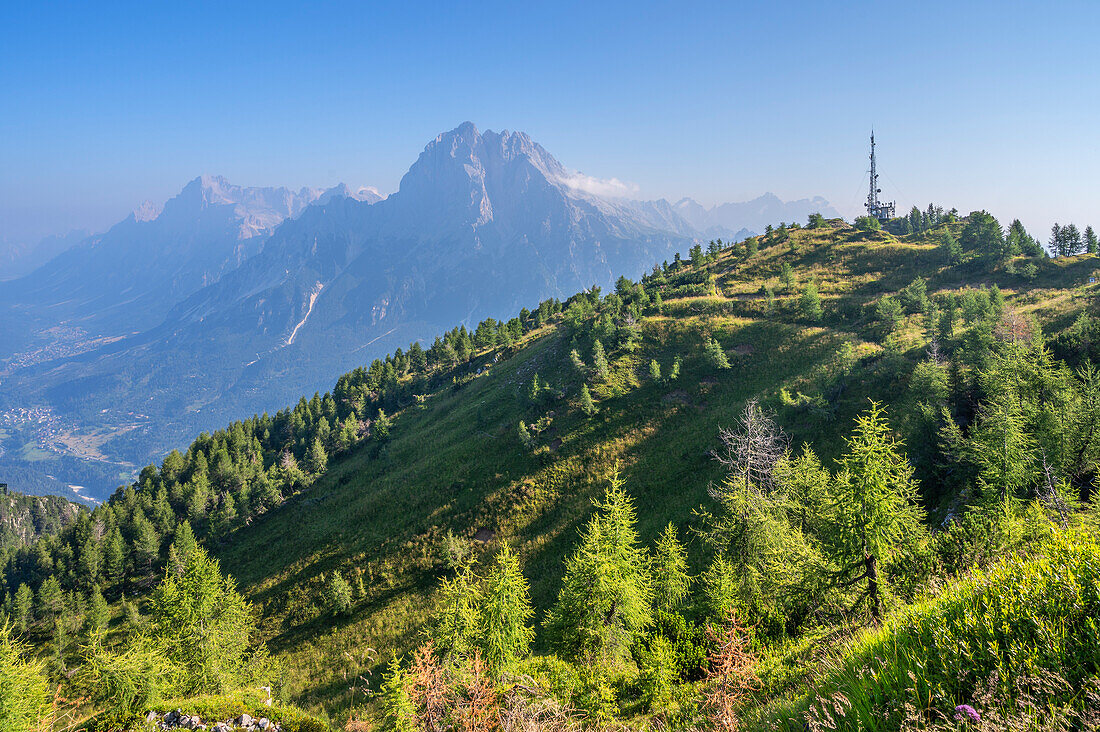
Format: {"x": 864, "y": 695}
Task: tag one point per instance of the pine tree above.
{"x": 670, "y": 572}
{"x": 587, "y": 405}
{"x": 1090, "y": 240}
{"x": 503, "y": 632}
{"x": 604, "y": 602}
{"x": 599, "y": 361}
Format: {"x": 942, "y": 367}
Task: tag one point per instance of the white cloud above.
{"x": 609, "y": 188}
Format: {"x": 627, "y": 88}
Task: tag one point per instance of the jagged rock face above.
{"x": 25, "y": 518}
{"x": 482, "y": 225}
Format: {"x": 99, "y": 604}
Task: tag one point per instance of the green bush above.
{"x": 1028, "y": 626}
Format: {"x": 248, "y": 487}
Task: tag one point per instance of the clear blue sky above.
{"x": 977, "y": 105}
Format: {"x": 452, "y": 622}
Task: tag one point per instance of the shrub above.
{"x": 868, "y": 223}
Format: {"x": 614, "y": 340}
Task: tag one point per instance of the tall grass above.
{"x": 1024, "y": 634}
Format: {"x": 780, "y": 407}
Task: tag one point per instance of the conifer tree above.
{"x": 670, "y": 572}
{"x": 604, "y": 602}
{"x": 786, "y": 277}
{"x": 454, "y": 628}
{"x": 950, "y": 248}
{"x": 51, "y": 599}
{"x": 674, "y": 371}
{"x": 874, "y": 509}
{"x": 655, "y": 371}
{"x": 503, "y": 632}
{"x": 114, "y": 555}
{"x": 22, "y": 605}
{"x": 317, "y": 459}
{"x": 97, "y": 614}
{"x": 338, "y": 594}
{"x": 380, "y": 429}
{"x": 715, "y": 356}
{"x": 599, "y": 361}
{"x": 203, "y": 624}
{"x": 587, "y": 405}
{"x": 810, "y": 303}
{"x": 578, "y": 362}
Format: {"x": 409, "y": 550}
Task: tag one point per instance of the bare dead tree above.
{"x": 751, "y": 449}
{"x": 1049, "y": 494}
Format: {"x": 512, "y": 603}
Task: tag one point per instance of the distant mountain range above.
{"x": 738, "y": 220}
{"x": 235, "y": 300}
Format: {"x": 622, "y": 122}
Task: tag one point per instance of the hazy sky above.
{"x": 976, "y": 105}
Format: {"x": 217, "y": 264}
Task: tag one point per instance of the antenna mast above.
{"x": 880, "y": 210}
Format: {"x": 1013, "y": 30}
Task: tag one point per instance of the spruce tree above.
{"x": 655, "y": 371}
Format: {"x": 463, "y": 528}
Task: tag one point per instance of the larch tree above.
{"x": 503, "y": 631}
{"x": 874, "y": 509}
{"x": 604, "y": 602}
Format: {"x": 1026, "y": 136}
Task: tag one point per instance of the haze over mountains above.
{"x": 236, "y": 300}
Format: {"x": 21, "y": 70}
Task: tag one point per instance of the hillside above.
{"x": 485, "y": 439}
{"x": 455, "y": 464}
{"x": 25, "y": 518}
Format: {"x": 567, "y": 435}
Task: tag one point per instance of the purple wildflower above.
{"x": 965, "y": 712}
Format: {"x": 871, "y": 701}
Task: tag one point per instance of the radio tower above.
{"x": 879, "y": 209}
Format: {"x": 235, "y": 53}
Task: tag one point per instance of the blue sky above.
{"x": 976, "y": 105}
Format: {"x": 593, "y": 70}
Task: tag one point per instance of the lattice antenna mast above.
{"x": 872, "y": 197}
{"x": 876, "y": 208}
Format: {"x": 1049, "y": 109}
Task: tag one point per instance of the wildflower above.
{"x": 967, "y": 713}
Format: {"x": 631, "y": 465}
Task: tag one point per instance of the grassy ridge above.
{"x": 454, "y": 463}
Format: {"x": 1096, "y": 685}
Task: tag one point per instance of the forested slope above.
{"x": 344, "y": 517}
